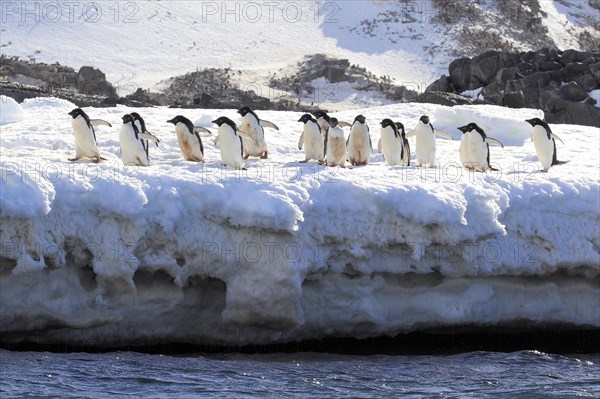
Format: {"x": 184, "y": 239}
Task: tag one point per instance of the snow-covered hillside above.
{"x": 184, "y": 252}
{"x": 139, "y": 44}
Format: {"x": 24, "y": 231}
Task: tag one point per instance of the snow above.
{"x": 595, "y": 94}
{"x": 178, "y": 251}
{"x": 10, "y": 110}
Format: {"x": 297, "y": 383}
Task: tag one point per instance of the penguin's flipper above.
{"x": 411, "y": 133}
{"x": 442, "y": 134}
{"x": 245, "y": 135}
{"x": 201, "y": 130}
{"x": 216, "y": 140}
{"x": 555, "y": 137}
{"x": 149, "y": 137}
{"x": 344, "y": 124}
{"x": 268, "y": 124}
{"x": 379, "y": 146}
{"x": 157, "y": 140}
{"x": 99, "y": 122}
{"x": 301, "y": 142}
{"x": 491, "y": 140}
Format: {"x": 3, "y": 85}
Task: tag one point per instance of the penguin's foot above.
{"x": 96, "y": 160}
{"x": 246, "y": 156}
{"x": 305, "y": 161}
{"x": 193, "y": 160}
{"x": 74, "y": 159}
{"x": 264, "y": 155}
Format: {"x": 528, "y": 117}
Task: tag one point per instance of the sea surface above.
{"x": 526, "y": 374}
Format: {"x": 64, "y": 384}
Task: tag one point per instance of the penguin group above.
{"x": 322, "y": 140}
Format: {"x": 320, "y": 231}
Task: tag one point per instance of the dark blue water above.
{"x": 472, "y": 375}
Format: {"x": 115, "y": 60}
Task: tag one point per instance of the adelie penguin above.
{"x": 141, "y": 125}
{"x": 130, "y": 139}
{"x": 475, "y": 148}
{"x": 544, "y": 142}
{"x": 189, "y": 138}
{"x": 311, "y": 139}
{"x": 335, "y": 145}
{"x": 323, "y": 120}
{"x": 230, "y": 143}
{"x": 359, "y": 144}
{"x": 391, "y": 143}
{"x": 85, "y": 135}
{"x": 252, "y": 125}
{"x": 425, "y": 145}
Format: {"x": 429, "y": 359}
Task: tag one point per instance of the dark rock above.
{"x": 485, "y": 70}
{"x": 588, "y": 83}
{"x": 547, "y": 66}
{"x": 537, "y": 80}
{"x": 572, "y": 92}
{"x": 92, "y": 81}
{"x": 507, "y": 74}
{"x": 460, "y": 73}
{"x": 576, "y": 70}
{"x": 559, "y": 75}
{"x": 570, "y": 56}
{"x": 441, "y": 98}
{"x": 590, "y": 101}
{"x": 442, "y": 84}
{"x": 558, "y": 110}
{"x": 525, "y": 68}
{"x": 595, "y": 71}
{"x": 513, "y": 100}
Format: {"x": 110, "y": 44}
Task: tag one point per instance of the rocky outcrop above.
{"x": 558, "y": 82}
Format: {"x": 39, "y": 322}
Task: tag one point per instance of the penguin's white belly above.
{"x": 464, "y": 151}
{"x": 257, "y": 147}
{"x": 313, "y": 144}
{"x": 359, "y": 148}
{"x": 231, "y": 150}
{"x": 425, "y": 148}
{"x": 190, "y": 147}
{"x": 336, "y": 151}
{"x": 478, "y": 151}
{"x": 392, "y": 147}
{"x": 132, "y": 151}
{"x": 84, "y": 139}
{"x": 543, "y": 147}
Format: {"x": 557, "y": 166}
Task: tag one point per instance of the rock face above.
{"x": 558, "y": 82}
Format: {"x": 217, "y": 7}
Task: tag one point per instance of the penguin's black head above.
{"x": 321, "y": 114}
{"x": 387, "y": 123}
{"x": 333, "y": 122}
{"x": 537, "y": 122}
{"x": 245, "y": 111}
{"x": 225, "y": 121}
{"x": 76, "y": 112}
{"x": 360, "y": 119}
{"x": 468, "y": 128}
{"x": 425, "y": 119}
{"x": 127, "y": 119}
{"x": 400, "y": 127}
{"x": 178, "y": 119}
{"x": 305, "y": 118}
{"x": 136, "y": 116}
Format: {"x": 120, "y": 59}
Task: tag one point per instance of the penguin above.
{"x": 323, "y": 120}
{"x": 189, "y": 139}
{"x": 405, "y": 145}
{"x": 359, "y": 143}
{"x": 311, "y": 139}
{"x": 335, "y": 145}
{"x": 85, "y": 135}
{"x": 544, "y": 142}
{"x": 130, "y": 138}
{"x": 254, "y": 126}
{"x": 475, "y": 150}
{"x": 141, "y": 125}
{"x": 230, "y": 143}
{"x": 391, "y": 143}
{"x": 425, "y": 145}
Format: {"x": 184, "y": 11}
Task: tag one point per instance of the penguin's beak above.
{"x": 530, "y": 121}
{"x": 171, "y": 121}
{"x": 215, "y": 122}
{"x": 300, "y": 120}
{"x": 462, "y": 129}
